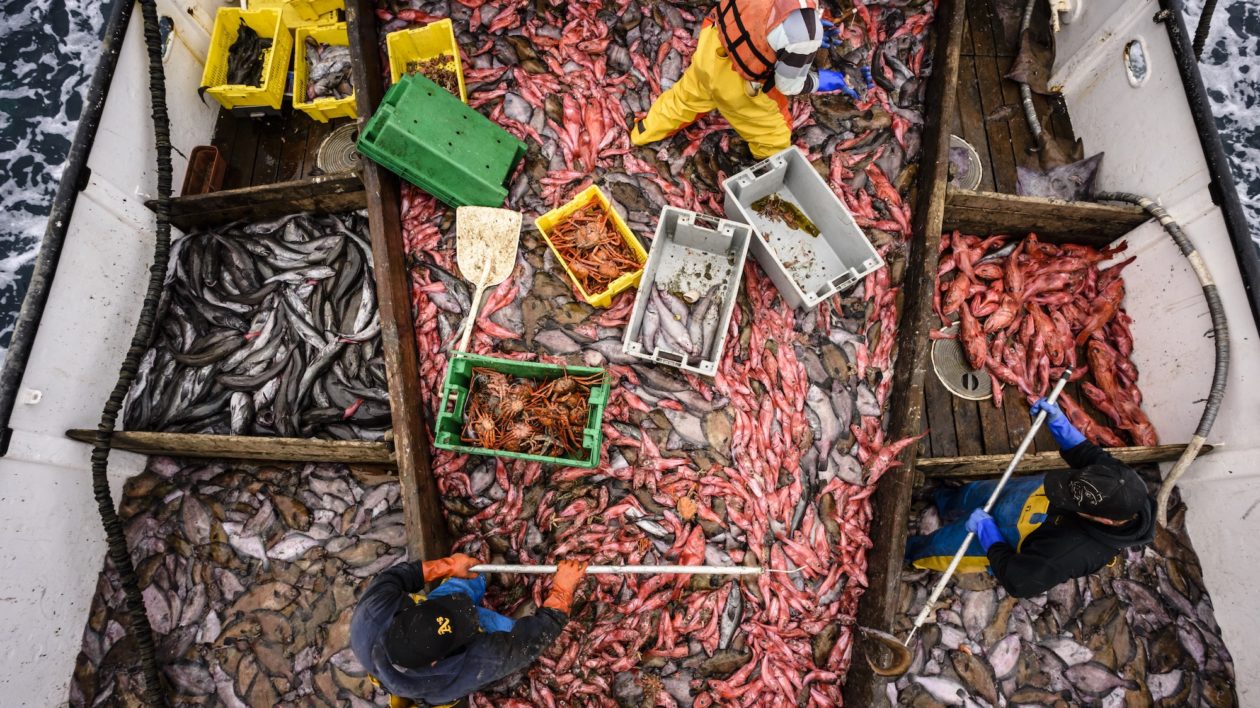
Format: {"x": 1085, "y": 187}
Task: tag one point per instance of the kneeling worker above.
{"x": 1044, "y": 529}
{"x": 751, "y": 55}
{"x": 437, "y": 649}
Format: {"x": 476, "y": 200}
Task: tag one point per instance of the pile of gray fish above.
{"x": 1140, "y": 632}
{"x": 268, "y": 328}
{"x": 249, "y": 576}
{"x": 327, "y": 70}
{"x": 685, "y": 323}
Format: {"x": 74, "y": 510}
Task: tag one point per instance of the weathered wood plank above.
{"x": 1001, "y": 149}
{"x": 940, "y": 418}
{"x": 1053, "y": 220}
{"x": 967, "y": 425}
{"x": 422, "y": 510}
{"x": 993, "y": 427}
{"x": 327, "y": 193}
{"x": 241, "y": 447}
{"x": 891, "y": 501}
{"x": 973, "y": 130}
{"x": 979, "y": 466}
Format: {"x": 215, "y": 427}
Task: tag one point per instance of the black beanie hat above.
{"x": 431, "y": 630}
{"x": 1112, "y": 492}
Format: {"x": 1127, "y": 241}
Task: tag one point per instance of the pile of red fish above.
{"x": 1026, "y": 309}
{"x": 772, "y": 462}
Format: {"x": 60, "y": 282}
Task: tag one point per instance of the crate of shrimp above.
{"x": 688, "y": 291}
{"x": 430, "y": 50}
{"x": 322, "y": 85}
{"x": 803, "y": 236}
{"x": 522, "y": 409}
{"x": 248, "y": 62}
{"x": 592, "y": 242}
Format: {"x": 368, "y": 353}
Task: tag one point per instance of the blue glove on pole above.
{"x": 831, "y": 35}
{"x": 829, "y": 80}
{"x": 1061, "y": 428}
{"x": 983, "y": 526}
{"x": 866, "y": 76}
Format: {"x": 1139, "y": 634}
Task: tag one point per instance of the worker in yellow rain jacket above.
{"x": 751, "y": 55}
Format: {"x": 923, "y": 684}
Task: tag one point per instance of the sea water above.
{"x": 48, "y": 49}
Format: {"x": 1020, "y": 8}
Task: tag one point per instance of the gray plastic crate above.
{"x": 806, "y": 269}
{"x": 691, "y": 252}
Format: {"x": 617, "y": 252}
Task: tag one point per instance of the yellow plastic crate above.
{"x": 548, "y": 221}
{"x": 302, "y": 13}
{"x": 321, "y": 109}
{"x": 421, "y": 43}
{"x": 267, "y": 23}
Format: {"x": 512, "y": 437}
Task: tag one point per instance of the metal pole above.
{"x": 625, "y": 569}
{"x": 962, "y": 550}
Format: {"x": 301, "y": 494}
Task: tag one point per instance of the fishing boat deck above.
{"x": 262, "y": 151}
{"x": 989, "y": 115}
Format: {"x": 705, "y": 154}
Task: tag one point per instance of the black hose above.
{"x": 114, "y": 535}
{"x": 1025, "y": 91}
{"x": 1220, "y": 334}
{"x": 1204, "y": 28}
{"x": 73, "y": 180}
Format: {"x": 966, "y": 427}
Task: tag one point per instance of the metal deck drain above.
{"x": 949, "y": 361}
{"x": 338, "y": 153}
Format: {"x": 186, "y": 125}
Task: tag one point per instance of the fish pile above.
{"x": 246, "y": 57}
{"x": 771, "y": 462}
{"x": 684, "y": 323}
{"x": 267, "y": 328}
{"x": 528, "y": 415}
{"x": 249, "y": 576}
{"x": 327, "y": 70}
{"x": 1024, "y": 308}
{"x": 440, "y": 70}
{"x": 592, "y": 247}
{"x": 776, "y": 208}
{"x": 1139, "y": 632}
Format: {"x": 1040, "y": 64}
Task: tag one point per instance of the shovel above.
{"x": 901, "y": 655}
{"x": 486, "y": 240}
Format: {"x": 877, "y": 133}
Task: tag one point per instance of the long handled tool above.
{"x": 625, "y": 569}
{"x": 902, "y": 654}
{"x": 486, "y": 240}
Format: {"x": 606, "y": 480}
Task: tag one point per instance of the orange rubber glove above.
{"x": 455, "y": 566}
{"x": 568, "y": 574}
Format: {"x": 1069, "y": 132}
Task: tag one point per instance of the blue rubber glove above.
{"x": 831, "y": 35}
{"x": 829, "y": 80}
{"x": 866, "y": 76}
{"x": 982, "y": 525}
{"x": 1061, "y": 428}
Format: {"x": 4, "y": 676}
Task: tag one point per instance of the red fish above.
{"x": 974, "y": 343}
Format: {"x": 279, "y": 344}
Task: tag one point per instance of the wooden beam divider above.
{"x": 243, "y": 447}
{"x": 891, "y": 501}
{"x": 1053, "y": 220}
{"x": 981, "y": 466}
{"x": 342, "y": 191}
{"x": 427, "y": 534}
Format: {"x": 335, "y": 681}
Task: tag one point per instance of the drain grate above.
{"x": 951, "y": 367}
{"x": 338, "y": 153}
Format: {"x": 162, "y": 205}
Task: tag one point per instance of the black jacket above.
{"x": 1066, "y": 545}
{"x": 489, "y": 657}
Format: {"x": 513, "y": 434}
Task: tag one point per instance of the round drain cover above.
{"x": 950, "y": 363}
{"x": 965, "y": 170}
{"x": 337, "y": 153}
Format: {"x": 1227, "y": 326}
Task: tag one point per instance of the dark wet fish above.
{"x": 246, "y": 57}
{"x": 327, "y": 70}
{"x": 1072, "y": 182}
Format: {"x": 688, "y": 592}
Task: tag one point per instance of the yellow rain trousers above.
{"x": 712, "y": 83}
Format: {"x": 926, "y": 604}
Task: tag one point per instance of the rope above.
{"x": 1025, "y": 92}
{"x": 119, "y": 556}
{"x": 1220, "y": 335}
{"x": 1204, "y": 28}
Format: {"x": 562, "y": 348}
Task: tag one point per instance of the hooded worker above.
{"x": 1044, "y": 529}
{"x": 751, "y": 55}
{"x": 433, "y": 650}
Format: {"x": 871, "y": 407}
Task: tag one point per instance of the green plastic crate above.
{"x": 430, "y": 138}
{"x": 450, "y": 420}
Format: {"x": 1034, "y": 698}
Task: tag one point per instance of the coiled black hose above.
{"x": 1204, "y": 28}
{"x": 114, "y": 536}
{"x": 1220, "y": 333}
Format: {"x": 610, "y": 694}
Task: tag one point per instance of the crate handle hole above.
{"x": 677, "y": 359}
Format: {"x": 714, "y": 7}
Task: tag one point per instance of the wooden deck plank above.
{"x": 329, "y": 193}
{"x": 973, "y": 128}
{"x": 1053, "y": 220}
{"x": 293, "y": 150}
{"x": 427, "y": 534}
{"x": 980, "y": 466}
{"x": 891, "y": 501}
{"x": 967, "y": 426}
{"x": 240, "y": 153}
{"x": 241, "y": 447}
{"x": 315, "y": 138}
{"x": 993, "y": 428}
{"x": 272, "y": 130}
{"x": 998, "y": 132}
{"x": 940, "y": 417}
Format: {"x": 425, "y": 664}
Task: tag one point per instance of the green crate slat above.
{"x": 450, "y": 420}
{"x": 432, "y": 139}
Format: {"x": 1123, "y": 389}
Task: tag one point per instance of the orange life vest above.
{"x": 743, "y": 26}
